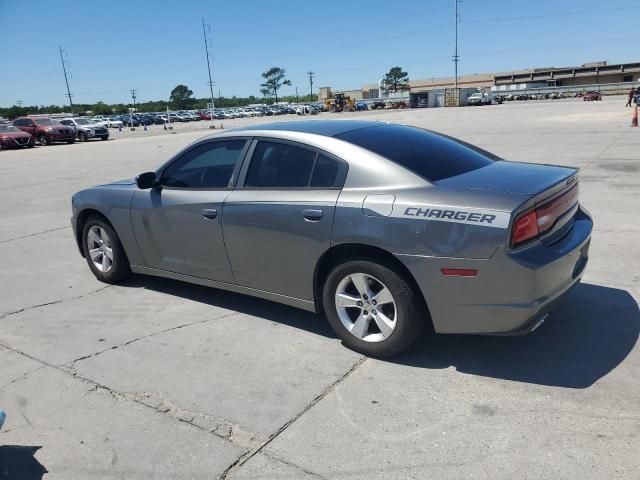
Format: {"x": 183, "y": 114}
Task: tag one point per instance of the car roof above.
{"x": 327, "y": 128}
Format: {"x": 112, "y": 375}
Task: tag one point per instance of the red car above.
{"x": 592, "y": 96}
{"x": 13, "y": 137}
{"x": 45, "y": 130}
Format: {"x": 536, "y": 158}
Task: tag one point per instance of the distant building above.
{"x": 589, "y": 74}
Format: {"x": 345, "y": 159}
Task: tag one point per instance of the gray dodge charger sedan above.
{"x": 382, "y": 227}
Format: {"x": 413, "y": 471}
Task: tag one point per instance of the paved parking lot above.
{"x": 158, "y": 379}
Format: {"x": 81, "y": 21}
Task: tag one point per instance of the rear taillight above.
{"x": 531, "y": 224}
{"x": 525, "y": 228}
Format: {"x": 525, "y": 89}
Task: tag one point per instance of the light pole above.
{"x": 206, "y": 49}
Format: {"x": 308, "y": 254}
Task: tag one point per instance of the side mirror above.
{"x": 146, "y": 180}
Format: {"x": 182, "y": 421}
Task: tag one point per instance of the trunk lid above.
{"x": 514, "y": 177}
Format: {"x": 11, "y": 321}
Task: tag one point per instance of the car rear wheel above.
{"x": 372, "y": 308}
{"x": 82, "y": 137}
{"x": 44, "y": 141}
{"x": 103, "y": 251}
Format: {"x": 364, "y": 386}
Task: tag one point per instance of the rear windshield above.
{"x": 44, "y": 121}
{"x": 430, "y": 155}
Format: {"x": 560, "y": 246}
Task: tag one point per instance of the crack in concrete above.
{"x": 246, "y": 456}
{"x": 606, "y": 149}
{"x": 159, "y": 332}
{"x": 294, "y": 465}
{"x": 34, "y": 234}
{"x": 54, "y": 302}
{"x": 22, "y": 377}
{"x": 221, "y": 428}
{"x": 230, "y": 432}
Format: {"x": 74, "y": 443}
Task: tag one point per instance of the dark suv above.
{"x": 45, "y": 130}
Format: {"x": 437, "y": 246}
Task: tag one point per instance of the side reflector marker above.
{"x": 459, "y": 272}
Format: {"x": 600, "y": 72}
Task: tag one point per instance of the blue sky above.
{"x": 153, "y": 45}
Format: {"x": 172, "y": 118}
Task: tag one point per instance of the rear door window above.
{"x": 284, "y": 165}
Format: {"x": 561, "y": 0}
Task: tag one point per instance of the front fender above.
{"x": 115, "y": 205}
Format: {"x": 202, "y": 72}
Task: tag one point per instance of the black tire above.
{"x": 411, "y": 315}
{"x": 44, "y": 141}
{"x": 82, "y": 137}
{"x": 104, "y": 138}
{"x": 120, "y": 268}
{"x": 71, "y": 141}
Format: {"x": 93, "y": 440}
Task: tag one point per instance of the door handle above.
{"x": 209, "y": 213}
{"x": 312, "y": 215}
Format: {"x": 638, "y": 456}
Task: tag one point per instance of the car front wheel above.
{"x": 44, "y": 141}
{"x": 103, "y": 251}
{"x": 372, "y": 308}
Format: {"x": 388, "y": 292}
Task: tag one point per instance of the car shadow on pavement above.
{"x": 245, "y": 304}
{"x": 581, "y": 341}
{"x": 19, "y": 463}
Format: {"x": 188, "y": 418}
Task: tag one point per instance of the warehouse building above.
{"x": 597, "y": 75}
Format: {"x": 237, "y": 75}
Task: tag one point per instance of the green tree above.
{"x": 266, "y": 93}
{"x": 274, "y": 78}
{"x": 102, "y": 108}
{"x": 181, "y": 97}
{"x": 396, "y": 79}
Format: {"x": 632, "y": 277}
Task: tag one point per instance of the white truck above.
{"x": 481, "y": 98}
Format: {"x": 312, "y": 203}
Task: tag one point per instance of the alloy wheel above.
{"x": 100, "y": 248}
{"x": 366, "y": 307}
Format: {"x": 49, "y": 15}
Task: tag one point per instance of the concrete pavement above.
{"x": 158, "y": 379}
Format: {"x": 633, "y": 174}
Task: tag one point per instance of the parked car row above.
{"x": 26, "y": 131}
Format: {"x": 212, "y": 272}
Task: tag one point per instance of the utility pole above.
{"x": 311, "y": 74}
{"x": 456, "y": 57}
{"x": 66, "y": 79}
{"x": 19, "y": 103}
{"x": 131, "y": 110}
{"x": 206, "y": 50}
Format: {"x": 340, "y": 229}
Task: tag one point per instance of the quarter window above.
{"x": 205, "y": 166}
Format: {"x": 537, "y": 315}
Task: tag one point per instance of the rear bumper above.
{"x": 61, "y": 137}
{"x": 514, "y": 289}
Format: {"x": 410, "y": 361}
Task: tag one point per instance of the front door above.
{"x": 278, "y": 221}
{"x": 178, "y": 225}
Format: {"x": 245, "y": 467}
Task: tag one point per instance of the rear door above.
{"x": 178, "y": 226}
{"x": 278, "y": 220}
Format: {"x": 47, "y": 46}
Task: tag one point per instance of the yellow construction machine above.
{"x": 339, "y": 102}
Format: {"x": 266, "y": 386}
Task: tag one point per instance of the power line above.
{"x": 550, "y": 15}
{"x": 66, "y": 79}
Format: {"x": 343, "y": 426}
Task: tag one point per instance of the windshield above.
{"x": 44, "y": 121}
{"x": 9, "y": 129}
{"x": 83, "y": 121}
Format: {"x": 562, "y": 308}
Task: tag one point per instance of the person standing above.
{"x": 632, "y": 93}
